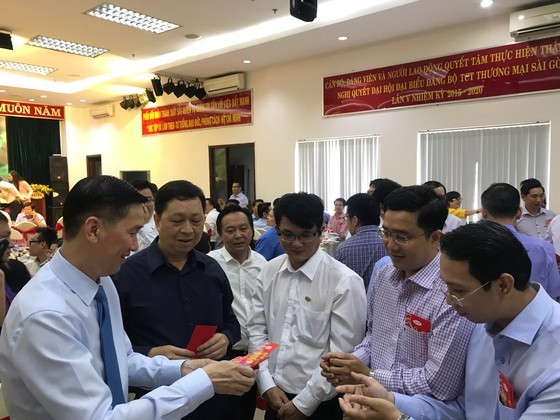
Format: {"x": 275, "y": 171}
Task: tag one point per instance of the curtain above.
{"x": 469, "y": 160}
{"x": 336, "y": 167}
{"x": 30, "y": 143}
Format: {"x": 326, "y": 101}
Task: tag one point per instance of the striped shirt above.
{"x": 428, "y": 359}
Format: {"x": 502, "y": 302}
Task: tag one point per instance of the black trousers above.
{"x": 328, "y": 410}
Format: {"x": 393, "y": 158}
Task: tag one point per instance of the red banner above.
{"x": 219, "y": 111}
{"x": 506, "y": 70}
{"x": 31, "y": 110}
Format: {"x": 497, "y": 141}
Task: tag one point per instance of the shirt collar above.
{"x": 156, "y": 258}
{"x": 525, "y": 211}
{"x": 426, "y": 275}
{"x": 227, "y": 256}
{"x": 309, "y": 269}
{"x": 367, "y": 228}
{"x": 83, "y": 286}
{"x": 525, "y": 326}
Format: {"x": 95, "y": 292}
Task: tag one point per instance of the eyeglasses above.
{"x": 305, "y": 237}
{"x": 455, "y": 300}
{"x": 399, "y": 238}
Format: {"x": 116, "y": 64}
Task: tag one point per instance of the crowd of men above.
{"x": 417, "y": 315}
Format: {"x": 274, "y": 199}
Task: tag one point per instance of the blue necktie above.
{"x": 112, "y": 373}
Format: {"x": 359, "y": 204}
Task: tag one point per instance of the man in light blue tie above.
{"x": 63, "y": 351}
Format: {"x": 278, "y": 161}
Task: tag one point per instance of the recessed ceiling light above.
{"x": 31, "y": 100}
{"x": 127, "y": 17}
{"x": 342, "y": 38}
{"x": 82, "y": 100}
{"x": 521, "y": 17}
{"x": 193, "y": 36}
{"x": 43, "y": 96}
{"x": 66, "y": 46}
{"x": 68, "y": 103}
{"x": 486, "y": 3}
{"x": 246, "y": 61}
{"x": 2, "y": 90}
{"x": 30, "y": 68}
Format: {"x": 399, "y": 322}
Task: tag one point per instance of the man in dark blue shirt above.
{"x": 168, "y": 288}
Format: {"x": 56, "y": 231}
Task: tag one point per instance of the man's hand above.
{"x": 189, "y": 366}
{"x": 365, "y": 385}
{"x": 215, "y": 348}
{"x": 290, "y": 412}
{"x": 337, "y": 368}
{"x": 360, "y": 407}
{"x": 229, "y": 377}
{"x": 275, "y": 398}
{"x": 171, "y": 352}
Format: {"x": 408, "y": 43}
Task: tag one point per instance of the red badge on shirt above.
{"x": 416, "y": 323}
{"x": 506, "y": 392}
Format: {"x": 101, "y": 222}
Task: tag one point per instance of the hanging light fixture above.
{"x": 169, "y": 86}
{"x": 156, "y": 84}
{"x": 200, "y": 92}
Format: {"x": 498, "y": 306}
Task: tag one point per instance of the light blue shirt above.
{"x": 526, "y": 351}
{"x": 50, "y": 357}
{"x": 383, "y": 261}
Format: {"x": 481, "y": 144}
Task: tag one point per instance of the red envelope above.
{"x": 506, "y": 392}
{"x": 200, "y": 335}
{"x": 417, "y": 324}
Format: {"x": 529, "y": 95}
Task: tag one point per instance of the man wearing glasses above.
{"x": 513, "y": 362}
{"x": 39, "y": 247}
{"x": 310, "y": 304}
{"x": 415, "y": 342}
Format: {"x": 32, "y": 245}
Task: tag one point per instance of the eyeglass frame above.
{"x": 455, "y": 299}
{"x": 406, "y": 239}
{"x": 298, "y": 237}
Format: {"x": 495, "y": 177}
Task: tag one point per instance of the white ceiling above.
{"x": 134, "y": 55}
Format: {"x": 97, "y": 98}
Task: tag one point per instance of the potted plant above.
{"x": 40, "y": 190}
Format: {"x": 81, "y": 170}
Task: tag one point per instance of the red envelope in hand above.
{"x": 200, "y": 335}
{"x": 417, "y": 324}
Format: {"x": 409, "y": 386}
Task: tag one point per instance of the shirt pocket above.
{"x": 312, "y": 327}
{"x": 414, "y": 347}
{"x": 506, "y": 413}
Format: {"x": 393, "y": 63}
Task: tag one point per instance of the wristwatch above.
{"x": 403, "y": 417}
{"x": 371, "y": 375}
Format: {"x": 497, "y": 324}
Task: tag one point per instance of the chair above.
{"x": 261, "y": 230}
{"x": 26, "y": 229}
{"x": 7, "y": 217}
{"x": 59, "y": 227}
{"x": 257, "y": 234}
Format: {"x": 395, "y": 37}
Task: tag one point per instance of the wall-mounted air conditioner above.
{"x": 102, "y": 111}
{"x": 539, "y": 22}
{"x": 225, "y": 84}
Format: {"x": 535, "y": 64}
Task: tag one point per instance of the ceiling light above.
{"x": 2, "y": 90}
{"x": 136, "y": 101}
{"x": 521, "y": 17}
{"x": 200, "y": 92}
{"x": 43, "y": 96}
{"x": 180, "y": 89}
{"x": 342, "y": 38}
{"x": 30, "y": 68}
{"x": 156, "y": 84}
{"x": 193, "y": 36}
{"x": 68, "y": 103}
{"x": 66, "y": 46}
{"x": 191, "y": 90}
{"x": 246, "y": 61}
{"x": 127, "y": 17}
{"x": 169, "y": 86}
{"x": 82, "y": 100}
{"x": 150, "y": 95}
{"x": 31, "y": 100}
{"x": 486, "y": 3}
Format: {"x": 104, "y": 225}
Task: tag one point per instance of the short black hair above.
{"x": 28, "y": 204}
{"x": 181, "y": 190}
{"x": 231, "y": 202}
{"x": 435, "y": 184}
{"x": 342, "y": 200}
{"x": 430, "y": 209}
{"x": 501, "y": 200}
{"x": 47, "y": 235}
{"x": 365, "y": 208}
{"x": 234, "y": 208}
{"x": 143, "y": 184}
{"x": 104, "y": 196}
{"x": 529, "y": 184}
{"x": 452, "y": 195}
{"x": 262, "y": 209}
{"x": 490, "y": 250}
{"x": 302, "y": 209}
{"x": 211, "y": 202}
{"x": 383, "y": 187}
{"x": 256, "y": 201}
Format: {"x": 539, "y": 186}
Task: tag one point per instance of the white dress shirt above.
{"x": 318, "y": 308}
{"x": 242, "y": 279}
{"x": 211, "y": 218}
{"x": 50, "y": 356}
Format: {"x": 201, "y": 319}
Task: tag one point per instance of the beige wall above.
{"x": 287, "y": 106}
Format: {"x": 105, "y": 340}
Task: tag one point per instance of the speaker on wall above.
{"x": 305, "y": 10}
{"x": 58, "y": 168}
{"x": 61, "y": 189}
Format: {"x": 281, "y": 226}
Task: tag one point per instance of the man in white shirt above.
{"x": 28, "y": 214}
{"x": 534, "y": 218}
{"x": 12, "y": 197}
{"x": 148, "y": 232}
{"x": 237, "y": 194}
{"x": 39, "y": 248}
{"x": 242, "y": 266}
{"x": 51, "y": 363}
{"x": 211, "y": 216}
{"x": 310, "y": 304}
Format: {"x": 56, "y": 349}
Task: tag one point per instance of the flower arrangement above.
{"x": 40, "y": 190}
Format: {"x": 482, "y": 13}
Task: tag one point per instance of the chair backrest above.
{"x": 27, "y": 229}
{"x": 261, "y": 230}
{"x": 7, "y": 217}
{"x": 59, "y": 227}
{"x": 256, "y": 235}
